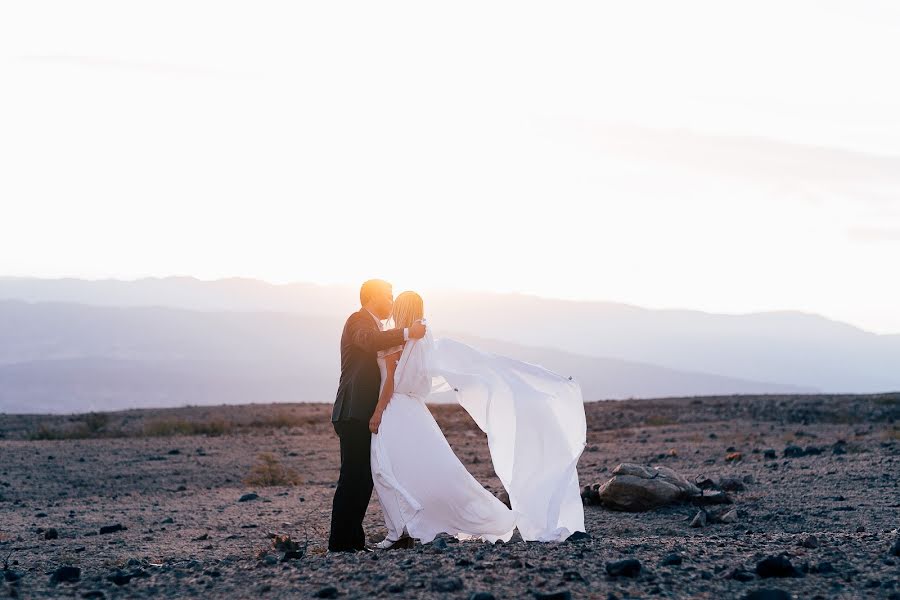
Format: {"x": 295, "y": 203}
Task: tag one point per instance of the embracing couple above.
{"x": 534, "y": 421}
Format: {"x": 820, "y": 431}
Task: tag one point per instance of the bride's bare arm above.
{"x": 390, "y": 363}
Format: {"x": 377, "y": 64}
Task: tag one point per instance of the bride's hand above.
{"x": 375, "y": 422}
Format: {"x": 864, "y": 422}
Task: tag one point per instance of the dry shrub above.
{"x": 269, "y": 472}
{"x": 169, "y": 427}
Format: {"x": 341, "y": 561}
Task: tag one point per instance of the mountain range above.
{"x": 68, "y": 345}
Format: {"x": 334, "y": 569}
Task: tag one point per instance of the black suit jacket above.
{"x": 360, "y": 381}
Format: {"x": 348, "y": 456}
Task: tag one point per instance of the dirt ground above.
{"x": 173, "y": 480}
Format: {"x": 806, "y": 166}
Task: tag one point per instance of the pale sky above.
{"x": 727, "y": 157}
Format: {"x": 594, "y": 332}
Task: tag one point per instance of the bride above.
{"x": 535, "y": 424}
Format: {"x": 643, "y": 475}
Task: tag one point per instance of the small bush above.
{"x": 269, "y": 472}
{"x": 169, "y": 427}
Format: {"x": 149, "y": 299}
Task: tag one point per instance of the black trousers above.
{"x": 354, "y": 488}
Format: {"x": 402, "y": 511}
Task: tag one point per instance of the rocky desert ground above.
{"x": 197, "y": 501}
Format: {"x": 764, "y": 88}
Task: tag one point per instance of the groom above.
{"x": 356, "y": 398}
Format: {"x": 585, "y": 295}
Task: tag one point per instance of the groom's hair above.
{"x": 370, "y": 288}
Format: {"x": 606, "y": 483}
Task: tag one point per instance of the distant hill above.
{"x": 63, "y": 357}
{"x": 787, "y": 347}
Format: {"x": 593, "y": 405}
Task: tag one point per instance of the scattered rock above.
{"x": 812, "y": 450}
{"x": 672, "y": 559}
{"x": 253, "y": 496}
{"x": 638, "y": 488}
{"x": 741, "y": 574}
{"x": 728, "y": 516}
{"x": 767, "y": 594}
{"x": 573, "y": 576}
{"x": 112, "y": 528}
{"x": 439, "y": 544}
{"x": 895, "y": 548}
{"x": 481, "y": 596}
{"x": 119, "y": 577}
{"x": 327, "y": 592}
{"x": 66, "y": 574}
{"x": 839, "y": 447}
{"x": 769, "y": 454}
{"x": 699, "y": 519}
{"x": 792, "y": 451}
{"x": 777, "y": 566}
{"x": 578, "y": 536}
{"x": 559, "y": 595}
{"x": 732, "y": 484}
{"x": 51, "y": 534}
{"x": 809, "y": 541}
{"x": 446, "y": 584}
{"x": 629, "y": 567}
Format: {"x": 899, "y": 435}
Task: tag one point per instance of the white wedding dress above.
{"x": 535, "y": 424}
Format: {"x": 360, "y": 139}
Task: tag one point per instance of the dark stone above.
{"x": 253, "y": 496}
{"x": 446, "y": 584}
{"x": 578, "y": 536}
{"x": 559, "y": 595}
{"x": 51, "y": 534}
{"x": 119, "y": 577}
{"x": 327, "y": 592}
{"x": 895, "y": 548}
{"x": 812, "y": 450}
{"x": 732, "y": 484}
{"x": 769, "y": 454}
{"x": 112, "y": 528}
{"x": 672, "y": 559}
{"x": 439, "y": 544}
{"x": 839, "y": 447}
{"x": 11, "y": 576}
{"x": 481, "y": 596}
{"x": 66, "y": 574}
{"x": 629, "y": 567}
{"x": 699, "y": 519}
{"x": 810, "y": 542}
{"x": 767, "y": 594}
{"x": 395, "y": 588}
{"x": 174, "y": 451}
{"x": 741, "y": 574}
{"x": 792, "y": 451}
{"x": 94, "y": 594}
{"x": 825, "y": 567}
{"x": 777, "y": 566}
{"x": 573, "y": 576}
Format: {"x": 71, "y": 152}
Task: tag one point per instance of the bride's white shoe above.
{"x": 405, "y": 543}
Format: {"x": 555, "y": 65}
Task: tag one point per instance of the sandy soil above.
{"x": 834, "y": 515}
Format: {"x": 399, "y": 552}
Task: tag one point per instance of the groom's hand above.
{"x": 417, "y": 330}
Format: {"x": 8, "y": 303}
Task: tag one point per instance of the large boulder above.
{"x": 636, "y": 488}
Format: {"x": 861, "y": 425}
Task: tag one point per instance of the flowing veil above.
{"x": 534, "y": 420}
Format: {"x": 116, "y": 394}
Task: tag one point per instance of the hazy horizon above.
{"x": 352, "y": 288}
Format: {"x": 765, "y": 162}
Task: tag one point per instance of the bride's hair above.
{"x": 408, "y": 308}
